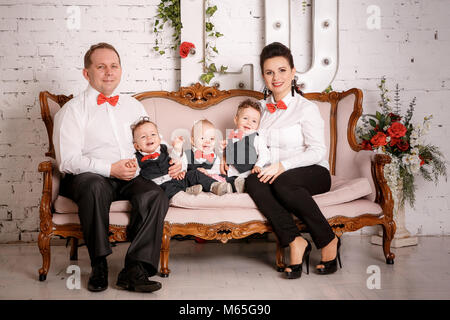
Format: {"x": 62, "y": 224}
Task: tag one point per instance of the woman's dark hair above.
{"x": 275, "y": 49}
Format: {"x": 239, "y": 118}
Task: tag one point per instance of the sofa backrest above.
{"x": 176, "y": 112}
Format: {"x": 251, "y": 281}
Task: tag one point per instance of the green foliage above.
{"x": 328, "y": 89}
{"x": 210, "y": 69}
{"x": 168, "y": 11}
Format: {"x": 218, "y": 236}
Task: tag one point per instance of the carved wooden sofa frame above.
{"x": 199, "y": 98}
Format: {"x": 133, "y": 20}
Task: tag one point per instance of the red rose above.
{"x": 185, "y": 47}
{"x": 403, "y": 145}
{"x": 365, "y": 144}
{"x": 394, "y": 117}
{"x": 378, "y": 140}
{"x": 394, "y": 141}
{"x": 397, "y": 130}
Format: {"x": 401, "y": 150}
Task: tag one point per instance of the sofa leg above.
{"x": 280, "y": 258}
{"x": 164, "y": 256}
{"x": 44, "y": 248}
{"x": 74, "y": 249}
{"x": 388, "y": 234}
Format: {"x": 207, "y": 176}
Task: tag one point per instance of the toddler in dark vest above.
{"x": 153, "y": 158}
{"x": 245, "y": 150}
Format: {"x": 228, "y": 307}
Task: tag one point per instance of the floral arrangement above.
{"x": 390, "y": 133}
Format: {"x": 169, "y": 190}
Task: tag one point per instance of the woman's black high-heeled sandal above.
{"x": 296, "y": 269}
{"x": 330, "y": 267}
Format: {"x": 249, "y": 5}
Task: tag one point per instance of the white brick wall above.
{"x": 38, "y": 52}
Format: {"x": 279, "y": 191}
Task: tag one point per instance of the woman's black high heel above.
{"x": 330, "y": 267}
{"x": 296, "y": 269}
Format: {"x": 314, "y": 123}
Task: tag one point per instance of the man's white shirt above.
{"x": 90, "y": 137}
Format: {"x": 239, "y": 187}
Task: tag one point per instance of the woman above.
{"x": 295, "y": 135}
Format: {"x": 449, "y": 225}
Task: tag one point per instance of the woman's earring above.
{"x": 294, "y": 85}
{"x": 295, "y": 88}
{"x": 266, "y": 92}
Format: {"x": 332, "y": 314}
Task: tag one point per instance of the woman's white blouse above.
{"x": 295, "y": 136}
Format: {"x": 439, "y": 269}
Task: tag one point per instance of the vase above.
{"x": 402, "y": 237}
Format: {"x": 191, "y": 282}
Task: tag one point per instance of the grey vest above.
{"x": 242, "y": 154}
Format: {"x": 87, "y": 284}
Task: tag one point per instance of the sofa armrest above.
{"x": 45, "y": 209}
{"x": 384, "y": 195}
{"x": 371, "y": 166}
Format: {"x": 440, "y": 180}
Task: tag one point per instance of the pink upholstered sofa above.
{"x": 359, "y": 195}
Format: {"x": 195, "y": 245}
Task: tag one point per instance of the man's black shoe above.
{"x": 135, "y": 278}
{"x": 98, "y": 280}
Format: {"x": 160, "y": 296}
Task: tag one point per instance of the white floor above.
{"x": 241, "y": 270}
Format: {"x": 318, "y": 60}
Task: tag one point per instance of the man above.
{"x": 93, "y": 144}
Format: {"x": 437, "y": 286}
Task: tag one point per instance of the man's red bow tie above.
{"x": 152, "y": 156}
{"x": 235, "y": 135}
{"x": 272, "y": 107}
{"x": 198, "y": 154}
{"x": 101, "y": 99}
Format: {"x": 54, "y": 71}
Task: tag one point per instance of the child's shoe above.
{"x": 220, "y": 188}
{"x": 239, "y": 184}
{"x": 194, "y": 189}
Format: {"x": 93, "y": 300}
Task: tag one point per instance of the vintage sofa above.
{"x": 359, "y": 195}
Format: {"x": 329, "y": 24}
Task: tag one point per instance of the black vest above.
{"x": 242, "y": 154}
{"x": 193, "y": 164}
{"x": 154, "y": 168}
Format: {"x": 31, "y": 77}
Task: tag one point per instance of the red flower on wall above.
{"x": 185, "y": 47}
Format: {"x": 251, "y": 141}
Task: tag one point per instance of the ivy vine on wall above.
{"x": 169, "y": 13}
{"x": 211, "y": 50}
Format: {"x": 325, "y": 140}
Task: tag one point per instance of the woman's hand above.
{"x": 256, "y": 169}
{"x": 271, "y": 172}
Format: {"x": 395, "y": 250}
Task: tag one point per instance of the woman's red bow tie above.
{"x": 198, "y": 154}
{"x": 151, "y": 156}
{"x": 101, "y": 99}
{"x": 273, "y": 107}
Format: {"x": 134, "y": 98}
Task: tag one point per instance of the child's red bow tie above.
{"x": 152, "y": 156}
{"x": 198, "y": 154}
{"x": 235, "y": 135}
